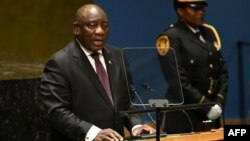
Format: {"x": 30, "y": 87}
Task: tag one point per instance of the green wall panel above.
{"x": 31, "y": 31}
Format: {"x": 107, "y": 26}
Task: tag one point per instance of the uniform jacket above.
{"x": 74, "y": 98}
{"x": 202, "y": 69}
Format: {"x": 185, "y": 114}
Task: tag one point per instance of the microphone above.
{"x": 147, "y": 87}
{"x": 132, "y": 87}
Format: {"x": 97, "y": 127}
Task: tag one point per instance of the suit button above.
{"x": 191, "y": 61}
{"x": 210, "y": 53}
{"x": 211, "y": 66}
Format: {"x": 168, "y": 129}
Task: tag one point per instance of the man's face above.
{"x": 93, "y": 29}
{"x": 191, "y": 16}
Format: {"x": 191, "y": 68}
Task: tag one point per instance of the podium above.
{"x": 213, "y": 135}
{"x": 168, "y": 109}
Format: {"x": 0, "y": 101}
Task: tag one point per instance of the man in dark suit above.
{"x": 75, "y": 100}
{"x": 202, "y": 69}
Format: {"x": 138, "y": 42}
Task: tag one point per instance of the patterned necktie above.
{"x": 102, "y": 75}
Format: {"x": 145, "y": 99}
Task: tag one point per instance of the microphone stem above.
{"x": 158, "y": 124}
{"x": 144, "y": 107}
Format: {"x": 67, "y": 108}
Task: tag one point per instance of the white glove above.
{"x": 214, "y": 112}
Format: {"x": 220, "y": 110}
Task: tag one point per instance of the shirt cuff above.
{"x": 92, "y": 133}
{"x": 136, "y": 126}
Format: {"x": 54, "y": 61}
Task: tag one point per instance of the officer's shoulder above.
{"x": 210, "y": 27}
{"x": 170, "y": 28}
{"x": 165, "y": 33}
{"x": 162, "y": 41}
{"x": 213, "y": 30}
{"x": 169, "y": 31}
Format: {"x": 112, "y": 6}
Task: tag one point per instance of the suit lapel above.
{"x": 83, "y": 62}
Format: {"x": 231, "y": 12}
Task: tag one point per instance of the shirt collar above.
{"x": 192, "y": 29}
{"x": 86, "y": 51}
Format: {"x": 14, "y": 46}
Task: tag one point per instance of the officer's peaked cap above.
{"x": 199, "y": 4}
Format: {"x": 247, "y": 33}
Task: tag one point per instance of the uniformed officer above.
{"x": 202, "y": 69}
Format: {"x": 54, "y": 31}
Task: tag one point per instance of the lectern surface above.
{"x": 197, "y": 136}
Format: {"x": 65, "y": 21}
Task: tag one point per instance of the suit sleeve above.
{"x": 56, "y": 99}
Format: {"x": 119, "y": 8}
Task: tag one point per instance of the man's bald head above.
{"x": 87, "y": 10}
{"x": 91, "y": 27}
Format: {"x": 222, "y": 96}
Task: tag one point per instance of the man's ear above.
{"x": 76, "y": 28}
{"x": 179, "y": 11}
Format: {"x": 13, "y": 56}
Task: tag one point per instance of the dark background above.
{"x": 33, "y": 30}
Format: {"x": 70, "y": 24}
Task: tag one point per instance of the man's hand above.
{"x": 143, "y": 129}
{"x": 108, "y": 135}
{"x": 214, "y": 112}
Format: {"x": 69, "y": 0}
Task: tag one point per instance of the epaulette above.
{"x": 217, "y": 43}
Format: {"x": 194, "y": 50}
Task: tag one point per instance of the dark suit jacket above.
{"x": 198, "y": 64}
{"x": 74, "y": 98}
